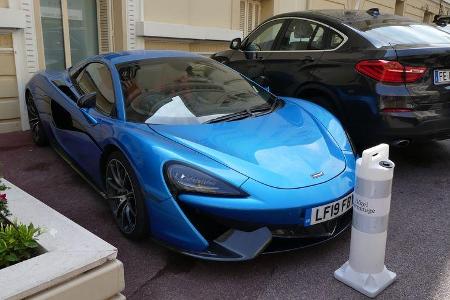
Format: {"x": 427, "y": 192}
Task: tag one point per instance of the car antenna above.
{"x": 374, "y": 12}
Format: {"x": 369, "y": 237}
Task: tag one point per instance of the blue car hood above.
{"x": 282, "y": 149}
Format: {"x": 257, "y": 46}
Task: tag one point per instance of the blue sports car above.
{"x": 191, "y": 152}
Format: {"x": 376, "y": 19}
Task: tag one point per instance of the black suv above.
{"x": 386, "y": 77}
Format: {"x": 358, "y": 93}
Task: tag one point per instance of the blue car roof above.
{"x": 127, "y": 56}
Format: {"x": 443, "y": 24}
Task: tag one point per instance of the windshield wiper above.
{"x": 265, "y": 108}
{"x": 231, "y": 117}
{"x": 249, "y": 112}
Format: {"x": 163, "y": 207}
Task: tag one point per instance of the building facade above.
{"x": 56, "y": 34}
{"x": 206, "y": 26}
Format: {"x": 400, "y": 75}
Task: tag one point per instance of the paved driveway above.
{"x": 418, "y": 242}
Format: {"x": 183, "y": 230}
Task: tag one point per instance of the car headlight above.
{"x": 185, "y": 179}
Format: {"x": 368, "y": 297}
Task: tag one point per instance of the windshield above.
{"x": 186, "y": 91}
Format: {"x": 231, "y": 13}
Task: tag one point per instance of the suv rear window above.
{"x": 399, "y": 31}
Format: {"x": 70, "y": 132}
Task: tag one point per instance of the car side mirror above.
{"x": 87, "y": 100}
{"x": 236, "y": 44}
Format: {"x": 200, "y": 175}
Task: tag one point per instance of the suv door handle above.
{"x": 308, "y": 59}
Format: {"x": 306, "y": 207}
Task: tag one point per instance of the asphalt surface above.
{"x": 418, "y": 246}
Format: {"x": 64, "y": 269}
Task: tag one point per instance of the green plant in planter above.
{"x": 17, "y": 243}
{"x": 3, "y": 202}
{"x": 3, "y": 187}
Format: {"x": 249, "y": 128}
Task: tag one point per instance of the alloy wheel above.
{"x": 33, "y": 117}
{"x": 121, "y": 195}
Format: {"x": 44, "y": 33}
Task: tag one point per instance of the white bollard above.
{"x": 365, "y": 270}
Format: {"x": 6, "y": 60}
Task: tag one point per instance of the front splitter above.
{"x": 237, "y": 245}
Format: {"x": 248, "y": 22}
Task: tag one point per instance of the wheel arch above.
{"x": 109, "y": 148}
{"x": 317, "y": 89}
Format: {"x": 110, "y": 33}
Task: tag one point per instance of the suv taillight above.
{"x": 390, "y": 71}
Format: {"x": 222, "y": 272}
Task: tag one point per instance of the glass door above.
{"x": 70, "y": 31}
{"x": 83, "y": 29}
{"x": 52, "y": 29}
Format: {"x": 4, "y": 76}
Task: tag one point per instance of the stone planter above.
{"x": 75, "y": 264}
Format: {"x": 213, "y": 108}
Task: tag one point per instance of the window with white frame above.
{"x": 250, "y": 15}
{"x": 73, "y": 30}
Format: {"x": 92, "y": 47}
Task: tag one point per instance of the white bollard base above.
{"x": 368, "y": 284}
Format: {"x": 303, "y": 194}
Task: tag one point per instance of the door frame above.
{"x": 24, "y": 51}
{"x": 17, "y": 50}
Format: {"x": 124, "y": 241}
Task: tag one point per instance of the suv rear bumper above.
{"x": 414, "y": 126}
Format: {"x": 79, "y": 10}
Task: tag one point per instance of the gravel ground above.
{"x": 418, "y": 247}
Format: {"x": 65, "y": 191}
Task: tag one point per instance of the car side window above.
{"x": 336, "y": 40}
{"x": 303, "y": 35}
{"x": 318, "y": 39}
{"x": 264, "y": 37}
{"x": 96, "y": 77}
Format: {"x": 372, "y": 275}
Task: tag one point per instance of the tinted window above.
{"x": 318, "y": 39}
{"x": 185, "y": 91}
{"x": 336, "y": 40}
{"x": 97, "y": 78}
{"x": 264, "y": 37}
{"x": 400, "y": 31}
{"x": 303, "y": 35}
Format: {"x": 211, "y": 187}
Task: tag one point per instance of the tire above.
{"x": 37, "y": 130}
{"x": 125, "y": 197}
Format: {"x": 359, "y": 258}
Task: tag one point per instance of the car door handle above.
{"x": 308, "y": 59}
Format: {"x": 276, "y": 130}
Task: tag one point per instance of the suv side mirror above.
{"x": 87, "y": 100}
{"x": 236, "y": 44}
